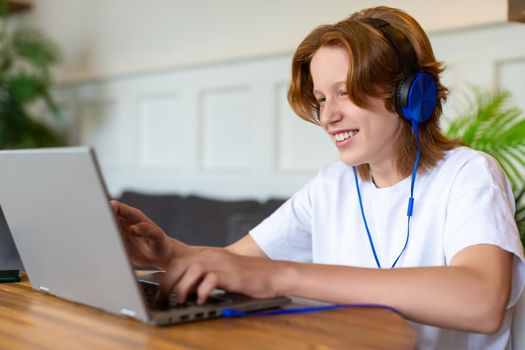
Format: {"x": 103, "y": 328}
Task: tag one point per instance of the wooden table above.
{"x": 31, "y": 320}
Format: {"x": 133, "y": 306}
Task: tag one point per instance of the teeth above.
{"x": 345, "y": 135}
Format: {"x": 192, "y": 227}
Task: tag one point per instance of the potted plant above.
{"x": 26, "y": 56}
{"x": 491, "y": 124}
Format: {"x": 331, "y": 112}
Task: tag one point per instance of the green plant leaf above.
{"x": 26, "y": 56}
{"x": 516, "y": 152}
{"x": 508, "y": 166}
{"x": 51, "y": 104}
{"x": 33, "y": 46}
{"x": 24, "y": 87}
{"x": 4, "y": 8}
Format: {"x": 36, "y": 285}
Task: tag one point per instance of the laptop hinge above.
{"x": 128, "y": 312}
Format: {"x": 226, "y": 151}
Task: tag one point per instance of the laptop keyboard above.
{"x": 150, "y": 291}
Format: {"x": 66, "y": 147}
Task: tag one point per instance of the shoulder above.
{"x": 468, "y": 169}
{"x": 463, "y": 155}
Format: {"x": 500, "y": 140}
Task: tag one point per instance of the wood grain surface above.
{"x": 32, "y": 320}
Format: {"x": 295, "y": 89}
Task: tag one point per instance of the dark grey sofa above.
{"x": 192, "y": 219}
{"x": 199, "y": 220}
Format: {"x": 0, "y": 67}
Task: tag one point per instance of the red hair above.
{"x": 373, "y": 73}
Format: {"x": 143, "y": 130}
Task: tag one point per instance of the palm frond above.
{"x": 26, "y": 56}
{"x": 513, "y": 172}
{"x": 498, "y": 130}
{"x": 489, "y": 106}
{"x": 33, "y": 46}
{"x": 490, "y": 125}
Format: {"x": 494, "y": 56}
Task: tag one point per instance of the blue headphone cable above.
{"x": 227, "y": 312}
{"x": 415, "y": 128}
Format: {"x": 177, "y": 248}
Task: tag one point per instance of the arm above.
{"x": 471, "y": 294}
{"x": 246, "y": 246}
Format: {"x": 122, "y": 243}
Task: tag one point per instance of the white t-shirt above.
{"x": 465, "y": 200}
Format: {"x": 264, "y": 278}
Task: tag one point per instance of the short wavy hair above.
{"x": 374, "y": 73}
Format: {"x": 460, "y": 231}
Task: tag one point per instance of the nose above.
{"x": 330, "y": 113}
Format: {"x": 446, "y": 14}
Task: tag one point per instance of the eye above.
{"x": 343, "y": 93}
{"x": 320, "y": 102}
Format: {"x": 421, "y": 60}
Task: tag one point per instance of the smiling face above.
{"x": 362, "y": 135}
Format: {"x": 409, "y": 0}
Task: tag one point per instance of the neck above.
{"x": 386, "y": 175}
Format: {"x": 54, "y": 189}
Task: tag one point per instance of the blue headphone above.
{"x": 415, "y": 100}
{"x": 416, "y": 93}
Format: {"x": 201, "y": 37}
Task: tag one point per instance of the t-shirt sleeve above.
{"x": 286, "y": 234}
{"x": 481, "y": 211}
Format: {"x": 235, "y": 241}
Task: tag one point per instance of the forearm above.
{"x": 245, "y": 246}
{"x": 452, "y": 297}
{"x": 176, "y": 249}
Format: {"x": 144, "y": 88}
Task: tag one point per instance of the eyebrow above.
{"x": 315, "y": 91}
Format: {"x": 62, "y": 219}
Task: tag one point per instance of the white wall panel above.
{"x": 161, "y": 130}
{"x": 226, "y": 129}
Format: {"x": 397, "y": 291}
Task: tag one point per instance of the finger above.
{"x": 114, "y": 205}
{"x": 172, "y": 276}
{"x": 146, "y": 229}
{"x": 208, "y": 284}
{"x": 188, "y": 282}
{"x": 132, "y": 215}
{"x": 123, "y": 225}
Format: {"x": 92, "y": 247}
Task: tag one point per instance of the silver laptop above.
{"x": 57, "y": 208}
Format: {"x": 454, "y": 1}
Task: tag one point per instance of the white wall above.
{"x": 225, "y": 129}
{"x": 208, "y": 113}
{"x": 103, "y": 38}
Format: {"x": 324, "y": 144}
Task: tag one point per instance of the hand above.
{"x": 146, "y": 242}
{"x": 205, "y": 269}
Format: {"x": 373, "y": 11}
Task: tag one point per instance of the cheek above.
{"x": 387, "y": 128}
{"x": 378, "y": 134}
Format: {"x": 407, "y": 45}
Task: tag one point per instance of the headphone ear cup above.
{"x": 417, "y": 97}
{"x": 402, "y": 91}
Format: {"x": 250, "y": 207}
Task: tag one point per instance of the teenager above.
{"x": 407, "y": 218}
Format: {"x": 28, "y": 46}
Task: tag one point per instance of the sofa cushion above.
{"x": 204, "y": 221}
{"x": 193, "y": 220}
{"x": 239, "y": 224}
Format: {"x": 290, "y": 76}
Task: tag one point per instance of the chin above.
{"x": 351, "y": 159}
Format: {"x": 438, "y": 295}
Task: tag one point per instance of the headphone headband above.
{"x": 416, "y": 93}
{"x": 399, "y": 41}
